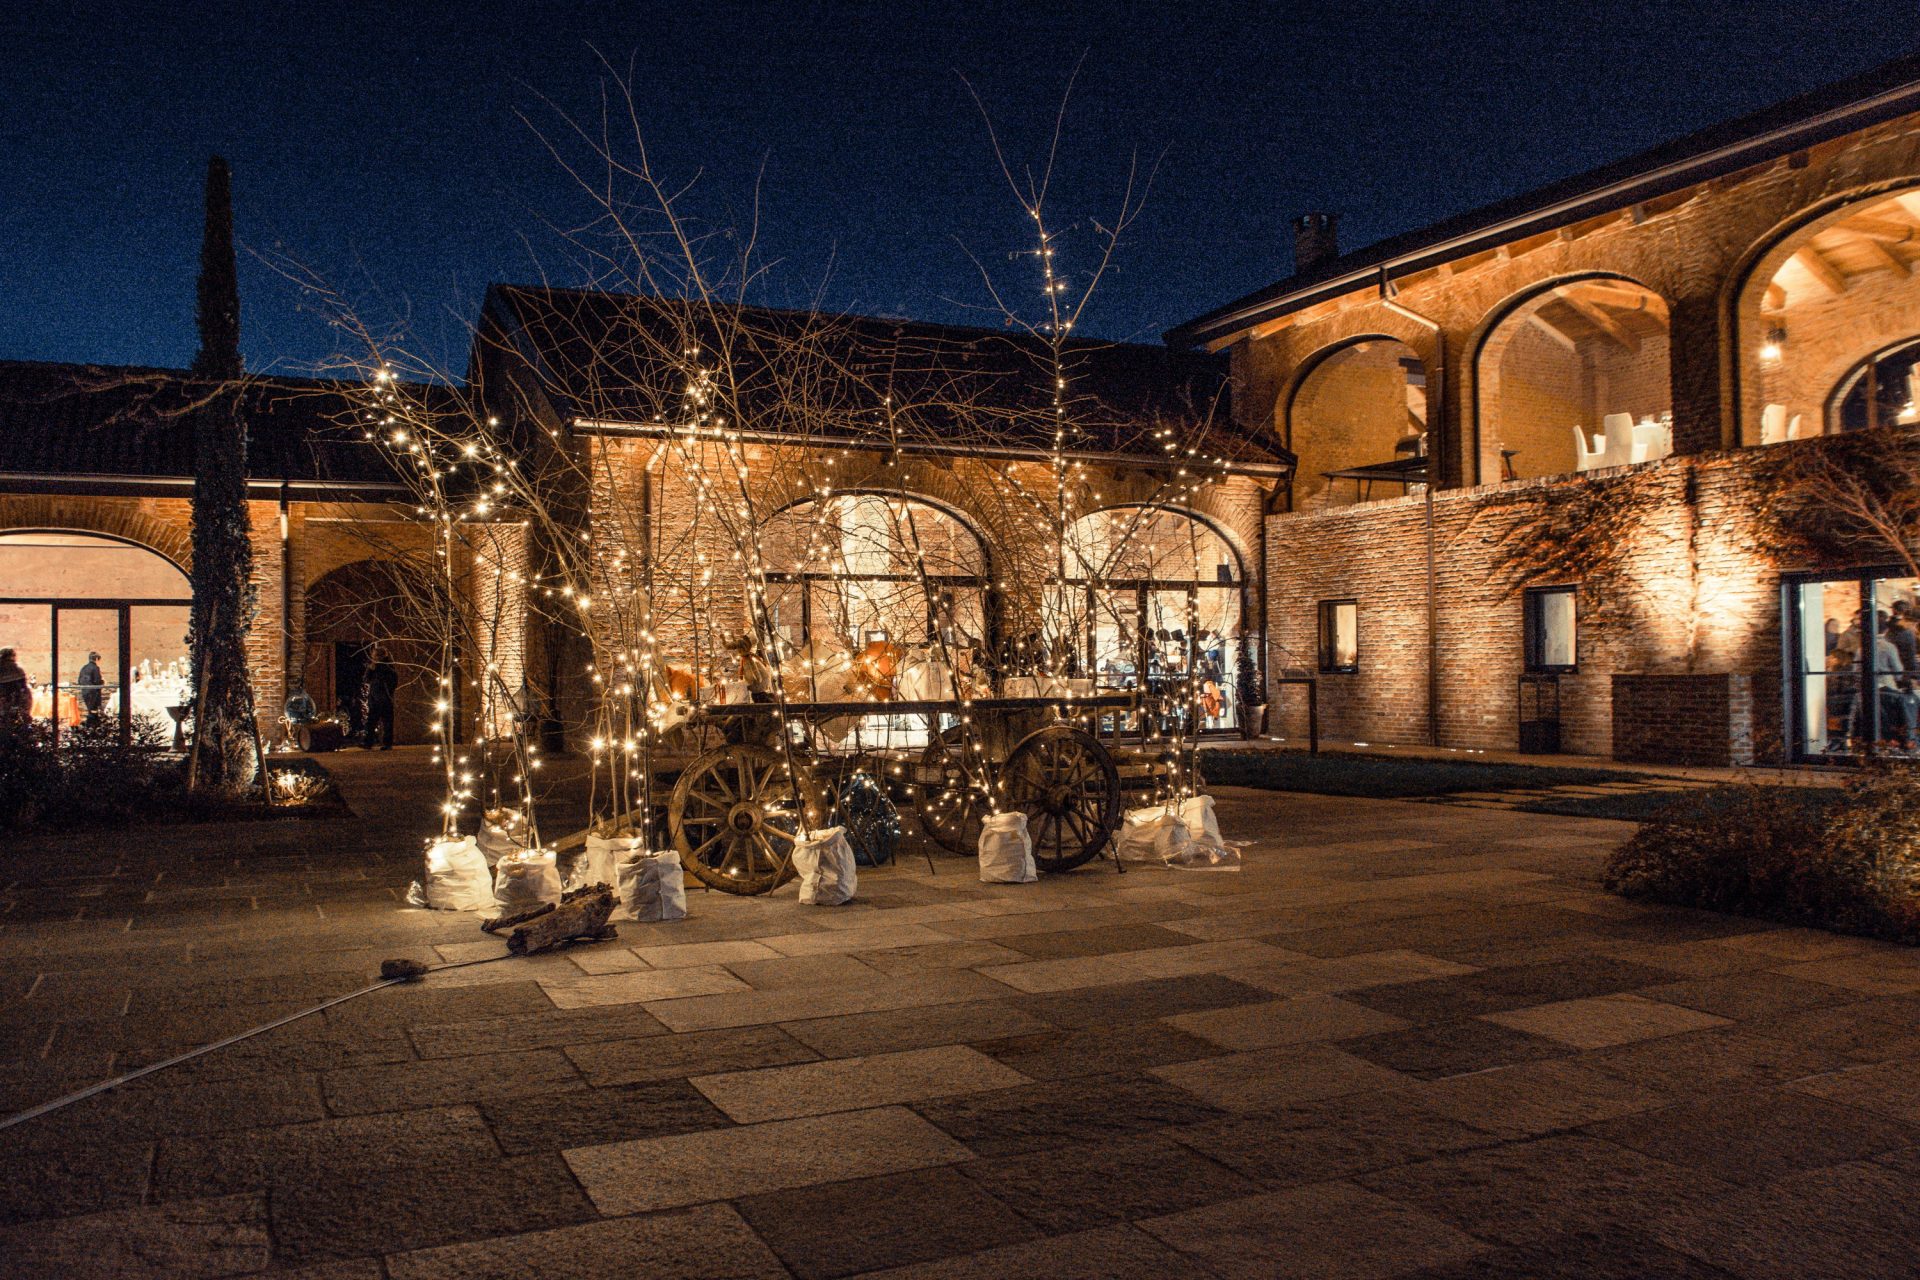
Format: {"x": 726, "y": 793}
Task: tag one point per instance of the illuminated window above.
{"x": 1552, "y": 630}
{"x": 1339, "y": 636}
{"x": 1883, "y": 389}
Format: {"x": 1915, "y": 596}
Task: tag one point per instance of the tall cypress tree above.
{"x": 223, "y": 595}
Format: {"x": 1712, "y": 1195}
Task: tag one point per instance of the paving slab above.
{"x": 1282, "y": 1022}
{"x": 1053, "y": 1113}
{"x": 706, "y": 1242}
{"x": 1758, "y": 1135}
{"x": 918, "y": 1027}
{"x": 1599, "y": 1022}
{"x": 1084, "y": 1185}
{"x": 1098, "y": 1051}
{"x": 1267, "y": 1079}
{"x": 1330, "y": 1138}
{"x": 217, "y": 1236}
{"x": 721, "y": 1164}
{"x": 1845, "y": 1222}
{"x": 1110, "y": 1253}
{"x": 692, "y": 1053}
{"x": 854, "y": 1084}
{"x": 1322, "y": 1231}
{"x": 407, "y": 1086}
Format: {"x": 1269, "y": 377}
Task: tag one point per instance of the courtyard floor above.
{"x": 1406, "y": 1040}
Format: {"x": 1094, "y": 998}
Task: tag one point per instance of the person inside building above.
{"x": 1902, "y": 634}
{"x": 1899, "y": 703}
{"x": 16, "y": 695}
{"x": 92, "y": 687}
{"x": 376, "y": 697}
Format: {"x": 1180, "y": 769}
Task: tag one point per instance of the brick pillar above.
{"x": 1694, "y": 354}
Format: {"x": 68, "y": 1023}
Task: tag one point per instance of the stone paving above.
{"x": 1406, "y": 1040}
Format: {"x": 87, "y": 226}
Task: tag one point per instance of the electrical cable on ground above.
{"x": 393, "y": 973}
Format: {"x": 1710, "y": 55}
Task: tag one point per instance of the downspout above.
{"x": 286, "y": 595}
{"x": 1436, "y": 442}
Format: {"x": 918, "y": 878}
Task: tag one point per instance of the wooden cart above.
{"x": 736, "y": 809}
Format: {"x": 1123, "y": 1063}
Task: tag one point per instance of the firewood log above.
{"x": 582, "y": 913}
{"x": 514, "y": 918}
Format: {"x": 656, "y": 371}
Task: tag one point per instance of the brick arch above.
{"x": 166, "y": 533}
{"x": 1742, "y": 328}
{"x": 1348, "y": 447}
{"x": 1489, "y": 330}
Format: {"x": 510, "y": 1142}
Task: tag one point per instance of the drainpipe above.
{"x": 286, "y": 595}
{"x": 1436, "y": 442}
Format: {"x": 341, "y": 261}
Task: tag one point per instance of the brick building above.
{"x": 96, "y": 480}
{"x": 1541, "y": 446}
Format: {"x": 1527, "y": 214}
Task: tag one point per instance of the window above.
{"x": 1339, "y": 635}
{"x": 1879, "y": 390}
{"x": 1552, "y": 630}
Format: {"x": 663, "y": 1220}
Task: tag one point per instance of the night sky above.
{"x": 380, "y": 145}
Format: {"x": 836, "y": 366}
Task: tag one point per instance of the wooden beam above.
{"x": 1910, "y": 201}
{"x": 1821, "y": 270}
{"x": 1880, "y": 228}
{"x": 1776, "y": 299}
{"x": 1545, "y": 326}
{"x": 1884, "y": 256}
{"x": 1621, "y": 296}
{"x": 1600, "y": 320}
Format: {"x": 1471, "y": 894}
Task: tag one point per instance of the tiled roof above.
{"x": 1885, "y": 92}
{"x": 612, "y": 357}
{"x": 127, "y": 422}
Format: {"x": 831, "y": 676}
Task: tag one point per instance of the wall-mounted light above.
{"x": 1775, "y": 344}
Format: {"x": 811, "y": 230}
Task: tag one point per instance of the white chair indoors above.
{"x": 1618, "y": 430}
{"x": 1652, "y": 440}
{"x": 1793, "y": 425}
{"x": 1584, "y": 458}
{"x": 1773, "y": 424}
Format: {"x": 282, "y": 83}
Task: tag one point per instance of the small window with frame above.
{"x": 1552, "y": 630}
{"x": 1339, "y": 636}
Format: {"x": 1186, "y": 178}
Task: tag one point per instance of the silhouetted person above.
{"x": 93, "y": 687}
{"x": 16, "y": 696}
{"x": 376, "y": 695}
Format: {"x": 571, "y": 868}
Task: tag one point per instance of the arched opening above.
{"x": 1574, "y": 377}
{"x": 358, "y": 608}
{"x": 1825, "y": 322}
{"x": 1160, "y": 599}
{"x": 100, "y": 626}
{"x": 1357, "y": 421}
{"x": 861, "y": 568}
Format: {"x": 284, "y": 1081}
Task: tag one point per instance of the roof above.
{"x": 607, "y": 359}
{"x": 128, "y": 423}
{"x": 1884, "y": 93}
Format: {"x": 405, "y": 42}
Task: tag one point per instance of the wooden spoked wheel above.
{"x": 735, "y": 814}
{"x": 1067, "y": 785}
{"x": 951, "y": 806}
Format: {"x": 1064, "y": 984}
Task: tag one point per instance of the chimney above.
{"x": 219, "y": 311}
{"x": 1315, "y": 242}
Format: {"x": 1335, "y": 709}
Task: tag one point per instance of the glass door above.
{"x": 89, "y": 654}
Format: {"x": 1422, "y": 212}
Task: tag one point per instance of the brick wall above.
{"x": 1683, "y": 719}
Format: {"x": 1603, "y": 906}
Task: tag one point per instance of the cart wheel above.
{"x": 951, "y": 806}
{"x": 1067, "y": 785}
{"x": 734, "y": 815}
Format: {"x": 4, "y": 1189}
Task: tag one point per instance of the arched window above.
{"x": 99, "y": 624}
{"x": 864, "y": 567}
{"x": 1153, "y": 596}
{"x": 1575, "y": 377}
{"x": 1357, "y": 422}
{"x": 1881, "y": 390}
{"x": 1825, "y": 320}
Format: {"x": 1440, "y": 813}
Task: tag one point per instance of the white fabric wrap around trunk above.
{"x": 1202, "y": 825}
{"x": 502, "y": 831}
{"x": 1006, "y": 851}
{"x": 600, "y": 864}
{"x": 526, "y": 879}
{"x": 1153, "y": 834}
{"x": 457, "y": 876}
{"x": 653, "y": 886}
{"x": 824, "y": 860}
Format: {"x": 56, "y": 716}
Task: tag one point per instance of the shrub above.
{"x": 1838, "y": 858}
{"x": 90, "y": 779}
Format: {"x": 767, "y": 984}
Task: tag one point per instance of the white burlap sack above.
{"x": 824, "y": 860}
{"x": 526, "y": 879}
{"x": 924, "y": 678}
{"x": 502, "y": 831}
{"x": 457, "y": 877}
{"x": 1006, "y": 851}
{"x": 600, "y": 864}
{"x": 1197, "y": 813}
{"x": 1154, "y": 834}
{"x": 653, "y": 886}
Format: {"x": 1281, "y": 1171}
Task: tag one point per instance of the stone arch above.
{"x": 367, "y": 602}
{"x": 163, "y": 526}
{"x": 1820, "y": 291}
{"x": 1351, "y": 404}
{"x": 1564, "y": 353}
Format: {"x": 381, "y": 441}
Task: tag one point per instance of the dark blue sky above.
{"x": 379, "y": 144}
